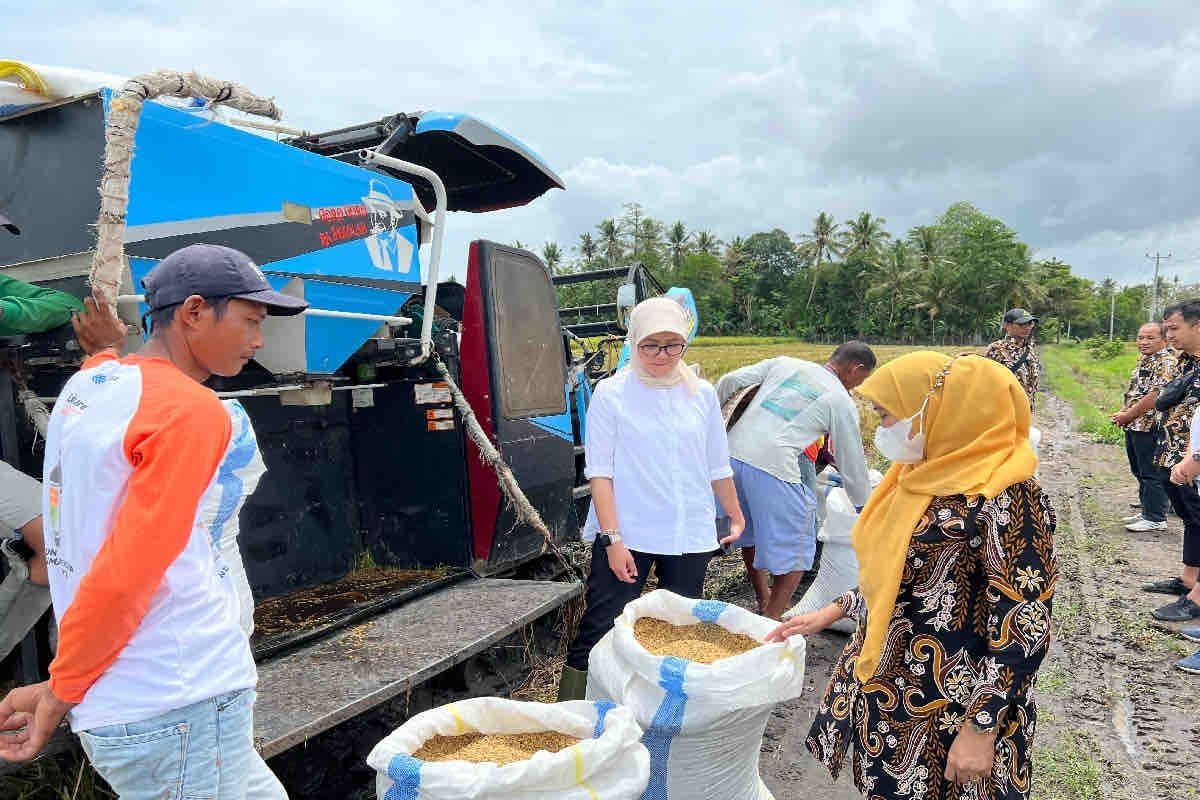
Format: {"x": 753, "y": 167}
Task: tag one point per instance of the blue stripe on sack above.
{"x": 708, "y": 610}
{"x": 406, "y": 772}
{"x": 602, "y": 709}
{"x": 665, "y": 726}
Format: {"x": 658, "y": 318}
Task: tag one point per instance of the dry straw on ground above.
{"x": 501, "y": 748}
{"x": 703, "y": 642}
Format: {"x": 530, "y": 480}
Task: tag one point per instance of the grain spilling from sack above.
{"x": 505, "y": 748}
{"x": 704, "y": 642}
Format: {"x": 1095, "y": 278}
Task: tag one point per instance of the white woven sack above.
{"x": 703, "y": 722}
{"x": 610, "y": 763}
{"x": 838, "y": 572}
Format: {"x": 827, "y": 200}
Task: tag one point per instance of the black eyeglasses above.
{"x": 673, "y": 349}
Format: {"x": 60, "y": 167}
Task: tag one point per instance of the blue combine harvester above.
{"x": 376, "y": 524}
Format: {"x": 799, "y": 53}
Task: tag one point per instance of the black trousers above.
{"x": 1186, "y": 502}
{"x": 607, "y": 596}
{"x": 1139, "y": 447}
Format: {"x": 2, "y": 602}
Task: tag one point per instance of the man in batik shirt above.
{"x": 1017, "y": 350}
{"x": 1138, "y": 417}
{"x": 1175, "y": 446}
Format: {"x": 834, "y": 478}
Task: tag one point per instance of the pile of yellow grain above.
{"x": 501, "y": 748}
{"x": 704, "y": 642}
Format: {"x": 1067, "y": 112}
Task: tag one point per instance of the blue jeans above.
{"x": 204, "y": 751}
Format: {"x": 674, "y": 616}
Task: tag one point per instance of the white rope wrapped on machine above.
{"x": 108, "y": 263}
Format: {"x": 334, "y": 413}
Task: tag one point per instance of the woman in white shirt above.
{"x": 656, "y": 454}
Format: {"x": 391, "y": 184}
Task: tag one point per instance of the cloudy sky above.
{"x": 1075, "y": 121}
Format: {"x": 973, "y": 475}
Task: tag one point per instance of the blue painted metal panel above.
{"x": 329, "y": 342}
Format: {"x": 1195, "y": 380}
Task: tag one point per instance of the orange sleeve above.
{"x": 175, "y": 443}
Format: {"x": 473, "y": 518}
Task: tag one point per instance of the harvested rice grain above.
{"x": 703, "y": 642}
{"x": 501, "y": 748}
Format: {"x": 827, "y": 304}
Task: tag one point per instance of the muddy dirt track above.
{"x": 1116, "y": 720}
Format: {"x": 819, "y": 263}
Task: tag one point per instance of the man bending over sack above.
{"x": 797, "y": 403}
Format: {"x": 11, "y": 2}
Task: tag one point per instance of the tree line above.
{"x": 946, "y": 282}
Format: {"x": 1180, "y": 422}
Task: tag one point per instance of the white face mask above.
{"x": 895, "y": 444}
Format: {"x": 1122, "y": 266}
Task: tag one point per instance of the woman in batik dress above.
{"x": 933, "y": 694}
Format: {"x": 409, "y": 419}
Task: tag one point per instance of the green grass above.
{"x": 721, "y": 354}
{"x": 1094, "y": 388}
{"x": 1071, "y": 769}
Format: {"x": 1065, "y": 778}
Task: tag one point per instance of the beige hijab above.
{"x": 660, "y": 315}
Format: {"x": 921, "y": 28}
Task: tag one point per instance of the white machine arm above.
{"x": 439, "y": 227}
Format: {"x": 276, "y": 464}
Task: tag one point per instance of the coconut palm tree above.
{"x": 678, "y": 242}
{"x": 927, "y": 247}
{"x": 552, "y": 255}
{"x": 587, "y": 248}
{"x": 610, "y": 241}
{"x": 864, "y": 235}
{"x": 820, "y": 245}
{"x": 650, "y": 236}
{"x": 934, "y": 291}
{"x": 892, "y": 277}
{"x": 706, "y": 242}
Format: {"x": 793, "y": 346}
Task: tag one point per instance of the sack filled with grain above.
{"x": 489, "y": 748}
{"x": 702, "y": 685}
{"x": 838, "y": 570}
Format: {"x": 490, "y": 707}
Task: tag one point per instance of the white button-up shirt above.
{"x": 662, "y": 448}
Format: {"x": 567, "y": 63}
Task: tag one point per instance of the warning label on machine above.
{"x": 427, "y": 394}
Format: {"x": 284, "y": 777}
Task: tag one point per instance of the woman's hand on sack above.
{"x": 807, "y": 624}
{"x": 736, "y": 526}
{"x": 621, "y": 562}
{"x": 971, "y": 755}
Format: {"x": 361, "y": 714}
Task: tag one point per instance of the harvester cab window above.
{"x": 526, "y": 336}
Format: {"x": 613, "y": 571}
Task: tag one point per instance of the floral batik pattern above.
{"x": 1175, "y": 430}
{"x": 1149, "y": 375}
{"x": 1020, "y": 357}
{"x": 971, "y": 626}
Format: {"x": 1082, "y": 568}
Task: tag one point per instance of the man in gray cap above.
{"x": 153, "y": 665}
{"x": 1017, "y": 350}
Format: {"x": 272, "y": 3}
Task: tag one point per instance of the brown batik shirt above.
{"x": 970, "y": 628}
{"x": 1176, "y": 422}
{"x": 1022, "y": 358}
{"x": 1149, "y": 375}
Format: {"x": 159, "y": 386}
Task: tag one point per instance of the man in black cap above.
{"x": 152, "y": 663}
{"x": 1017, "y": 350}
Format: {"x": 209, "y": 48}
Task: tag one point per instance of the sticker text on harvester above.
{"x": 439, "y": 413}
{"x": 440, "y": 424}
{"x": 428, "y": 394}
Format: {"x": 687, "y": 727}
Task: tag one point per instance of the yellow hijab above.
{"x": 976, "y": 443}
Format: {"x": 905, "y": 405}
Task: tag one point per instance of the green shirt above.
{"x": 25, "y": 308}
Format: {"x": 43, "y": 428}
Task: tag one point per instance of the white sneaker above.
{"x": 1131, "y": 518}
{"x": 1144, "y": 525}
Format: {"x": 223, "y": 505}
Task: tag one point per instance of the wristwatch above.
{"x": 605, "y": 538}
{"x": 1196, "y": 456}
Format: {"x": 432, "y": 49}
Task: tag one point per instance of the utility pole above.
{"x": 1154, "y": 290}
{"x": 1112, "y": 313}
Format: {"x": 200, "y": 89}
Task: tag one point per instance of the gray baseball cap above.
{"x": 1018, "y": 315}
{"x": 213, "y": 271}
